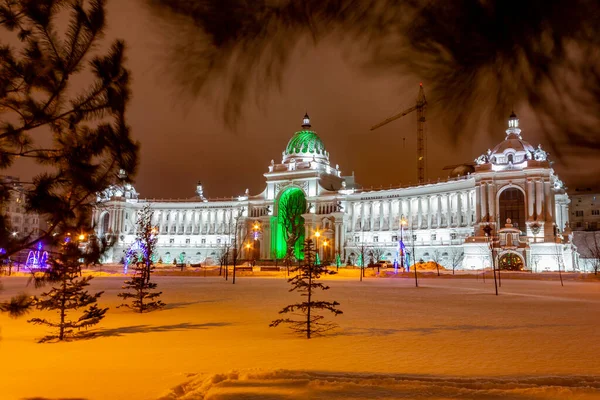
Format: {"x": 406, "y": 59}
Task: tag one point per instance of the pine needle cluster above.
{"x": 78, "y": 136}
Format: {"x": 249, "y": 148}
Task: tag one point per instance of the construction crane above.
{"x": 419, "y": 107}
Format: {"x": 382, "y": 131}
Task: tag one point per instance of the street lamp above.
{"x": 403, "y": 223}
{"x": 81, "y": 237}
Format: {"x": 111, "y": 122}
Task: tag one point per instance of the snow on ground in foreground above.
{"x": 450, "y": 338}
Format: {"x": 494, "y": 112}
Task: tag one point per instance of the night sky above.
{"x": 183, "y": 141}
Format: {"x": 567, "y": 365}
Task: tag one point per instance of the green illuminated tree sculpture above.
{"x": 306, "y": 282}
{"x": 292, "y": 205}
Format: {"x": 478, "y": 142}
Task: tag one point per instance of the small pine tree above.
{"x": 68, "y": 294}
{"x": 306, "y": 282}
{"x": 144, "y": 299}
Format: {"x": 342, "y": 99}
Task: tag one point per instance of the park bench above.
{"x": 270, "y": 269}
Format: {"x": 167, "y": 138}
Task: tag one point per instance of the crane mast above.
{"x": 420, "y": 107}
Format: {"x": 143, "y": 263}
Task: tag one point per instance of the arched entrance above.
{"x": 510, "y": 262}
{"x": 512, "y": 205}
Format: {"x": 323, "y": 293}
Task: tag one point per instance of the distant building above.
{"x": 585, "y": 209}
{"x": 511, "y": 192}
{"x": 21, "y": 223}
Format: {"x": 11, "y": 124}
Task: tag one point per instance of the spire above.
{"x": 513, "y": 125}
{"x": 306, "y": 121}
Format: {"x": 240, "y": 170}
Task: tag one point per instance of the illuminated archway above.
{"x": 511, "y": 204}
{"x": 511, "y": 261}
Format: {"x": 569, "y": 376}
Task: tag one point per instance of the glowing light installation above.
{"x": 37, "y": 259}
{"x": 132, "y": 253}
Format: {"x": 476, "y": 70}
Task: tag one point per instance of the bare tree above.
{"x": 436, "y": 257}
{"x": 375, "y": 254}
{"x": 593, "y": 248}
{"x": 363, "y": 251}
{"x": 456, "y": 256}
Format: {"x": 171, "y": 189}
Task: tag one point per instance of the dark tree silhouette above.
{"x": 68, "y": 294}
{"x": 144, "y": 299}
{"x": 306, "y": 282}
{"x": 481, "y": 56}
{"x": 80, "y": 137}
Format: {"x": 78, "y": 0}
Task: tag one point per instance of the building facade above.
{"x": 511, "y": 207}
{"x": 21, "y": 223}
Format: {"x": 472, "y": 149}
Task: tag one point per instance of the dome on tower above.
{"x": 513, "y": 151}
{"x": 305, "y": 144}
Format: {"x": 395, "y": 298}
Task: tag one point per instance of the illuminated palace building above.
{"x": 510, "y": 197}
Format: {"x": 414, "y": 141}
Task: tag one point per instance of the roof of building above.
{"x": 305, "y": 142}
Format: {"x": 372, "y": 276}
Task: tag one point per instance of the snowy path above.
{"x": 446, "y": 339}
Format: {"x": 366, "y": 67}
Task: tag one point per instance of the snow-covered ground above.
{"x": 450, "y": 338}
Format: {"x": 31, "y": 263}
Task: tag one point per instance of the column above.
{"x": 338, "y": 237}
{"x": 439, "y": 211}
{"x": 492, "y": 202}
{"x": 209, "y": 221}
{"x": 448, "y": 210}
{"x": 429, "y": 211}
{"x": 548, "y": 201}
{"x": 419, "y": 213}
{"x": 400, "y": 210}
{"x": 469, "y": 199}
{"x": 484, "y": 202}
{"x": 409, "y": 212}
{"x": 371, "y": 215}
{"x": 362, "y": 215}
{"x": 459, "y": 213}
{"x": 538, "y": 200}
{"x": 477, "y": 205}
{"x": 530, "y": 200}
{"x": 381, "y": 215}
{"x": 351, "y": 210}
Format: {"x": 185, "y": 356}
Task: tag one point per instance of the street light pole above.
{"x": 317, "y": 235}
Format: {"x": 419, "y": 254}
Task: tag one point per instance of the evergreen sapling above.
{"x": 68, "y": 294}
{"x": 144, "y": 299}
{"x": 306, "y": 282}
